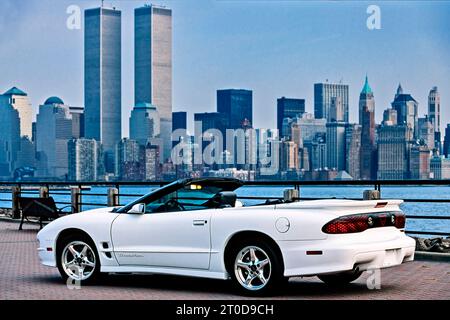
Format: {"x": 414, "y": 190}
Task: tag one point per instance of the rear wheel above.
{"x": 255, "y": 268}
{"x": 77, "y": 259}
{"x": 340, "y": 279}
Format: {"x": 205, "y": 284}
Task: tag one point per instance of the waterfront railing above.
{"x": 79, "y": 194}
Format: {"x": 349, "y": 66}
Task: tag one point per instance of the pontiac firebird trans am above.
{"x": 197, "y": 227}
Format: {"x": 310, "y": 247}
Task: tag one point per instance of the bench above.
{"x": 42, "y": 208}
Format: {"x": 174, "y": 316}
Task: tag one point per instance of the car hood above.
{"x": 102, "y": 217}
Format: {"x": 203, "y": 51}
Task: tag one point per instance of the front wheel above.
{"x": 78, "y": 259}
{"x": 340, "y": 279}
{"x": 256, "y": 268}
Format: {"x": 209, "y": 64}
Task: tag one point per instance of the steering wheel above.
{"x": 173, "y": 204}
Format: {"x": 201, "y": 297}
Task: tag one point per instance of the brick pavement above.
{"x": 23, "y": 277}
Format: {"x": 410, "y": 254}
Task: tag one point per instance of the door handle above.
{"x": 199, "y": 222}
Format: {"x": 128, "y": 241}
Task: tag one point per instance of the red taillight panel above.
{"x": 361, "y": 222}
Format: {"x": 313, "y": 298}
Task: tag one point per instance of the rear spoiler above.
{"x": 342, "y": 203}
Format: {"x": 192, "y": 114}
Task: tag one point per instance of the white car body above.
{"x": 192, "y": 243}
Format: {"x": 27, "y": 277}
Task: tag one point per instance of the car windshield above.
{"x": 191, "y": 197}
{"x": 184, "y": 195}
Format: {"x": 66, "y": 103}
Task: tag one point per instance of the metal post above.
{"x": 113, "y": 196}
{"x": 43, "y": 192}
{"x": 290, "y": 194}
{"x": 75, "y": 195}
{"x": 15, "y": 193}
{"x": 371, "y": 195}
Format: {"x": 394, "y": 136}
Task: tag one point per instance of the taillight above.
{"x": 361, "y": 222}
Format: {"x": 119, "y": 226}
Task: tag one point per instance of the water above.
{"x": 388, "y": 192}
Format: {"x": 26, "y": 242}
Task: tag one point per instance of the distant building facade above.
{"x": 434, "y": 114}
{"x": 144, "y": 123}
{"x": 288, "y": 108}
{"x": 368, "y": 145}
{"x": 407, "y": 110}
{"x": 19, "y": 100}
{"x": 336, "y": 145}
{"x": 103, "y": 79}
{"x": 84, "y": 159}
{"x": 323, "y": 94}
{"x": 426, "y": 132}
{"x": 390, "y": 117}
{"x": 419, "y": 162}
{"x": 179, "y": 120}
{"x": 440, "y": 167}
{"x": 237, "y": 105}
{"x": 128, "y": 161}
{"x": 393, "y": 152}
{"x": 352, "y": 151}
{"x": 153, "y": 65}
{"x": 446, "y": 148}
{"x": 53, "y": 132}
{"x": 337, "y": 112}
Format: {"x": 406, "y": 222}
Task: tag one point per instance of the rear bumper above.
{"x": 343, "y": 253}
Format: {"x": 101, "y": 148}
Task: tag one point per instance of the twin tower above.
{"x": 103, "y": 72}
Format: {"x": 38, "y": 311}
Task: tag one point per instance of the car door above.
{"x": 179, "y": 239}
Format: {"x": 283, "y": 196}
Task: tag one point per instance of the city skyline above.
{"x": 432, "y": 68}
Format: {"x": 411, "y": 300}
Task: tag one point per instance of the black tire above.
{"x": 95, "y": 275}
{"x": 275, "y": 279}
{"x": 340, "y": 279}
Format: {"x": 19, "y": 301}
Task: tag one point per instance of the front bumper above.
{"x": 345, "y": 252}
{"x": 46, "y": 252}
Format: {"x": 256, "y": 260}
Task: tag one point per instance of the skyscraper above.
{"x": 19, "y": 101}
{"x": 208, "y": 121}
{"x": 434, "y": 114}
{"x": 102, "y": 79}
{"x": 446, "y": 148}
{"x": 288, "y": 108}
{"x": 179, "y": 124}
{"x": 393, "y": 152}
{"x": 353, "y": 151}
{"x": 153, "y": 65}
{"x": 15, "y": 122}
{"x": 367, "y": 120}
{"x": 237, "y": 105}
{"x": 179, "y": 120}
{"x": 419, "y": 162}
{"x": 407, "y": 110}
{"x": 336, "y": 110}
{"x": 308, "y": 126}
{"x": 323, "y": 92}
{"x": 289, "y": 156}
{"x": 336, "y": 145}
{"x": 53, "y": 131}
{"x": 440, "y": 167}
{"x": 144, "y": 123}
{"x": 84, "y": 159}
{"x": 366, "y": 98}
{"x": 426, "y": 132}
{"x": 151, "y": 162}
{"x": 77, "y": 121}
{"x": 128, "y": 160}
{"x": 390, "y": 117}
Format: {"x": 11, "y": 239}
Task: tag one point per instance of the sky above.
{"x": 275, "y": 48}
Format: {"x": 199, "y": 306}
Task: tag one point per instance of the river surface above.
{"x": 387, "y": 192}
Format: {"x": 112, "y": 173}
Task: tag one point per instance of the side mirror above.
{"x": 138, "y": 208}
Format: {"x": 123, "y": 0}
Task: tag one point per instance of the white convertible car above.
{"x": 197, "y": 227}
